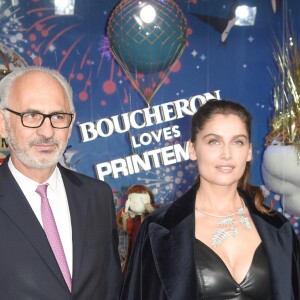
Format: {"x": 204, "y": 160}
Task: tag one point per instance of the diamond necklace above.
{"x": 227, "y": 224}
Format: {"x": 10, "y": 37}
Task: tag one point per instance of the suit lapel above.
{"x": 172, "y": 251}
{"x": 276, "y": 237}
{"x": 78, "y": 211}
{"x": 172, "y": 243}
{"x": 275, "y": 241}
{"x": 14, "y": 204}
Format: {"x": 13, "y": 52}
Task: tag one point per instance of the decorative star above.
{"x": 250, "y": 39}
{"x": 194, "y": 53}
{"x": 203, "y": 57}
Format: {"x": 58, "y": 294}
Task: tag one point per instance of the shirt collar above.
{"x": 26, "y": 182}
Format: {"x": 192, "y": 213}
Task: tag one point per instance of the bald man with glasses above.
{"x": 58, "y": 237}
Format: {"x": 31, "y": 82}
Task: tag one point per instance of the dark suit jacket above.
{"x": 28, "y": 269}
{"x": 162, "y": 263}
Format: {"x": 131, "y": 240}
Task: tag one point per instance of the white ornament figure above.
{"x": 281, "y": 174}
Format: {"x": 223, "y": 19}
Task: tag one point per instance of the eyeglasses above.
{"x": 36, "y": 119}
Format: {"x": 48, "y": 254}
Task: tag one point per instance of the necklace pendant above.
{"x": 226, "y": 221}
{"x": 245, "y": 222}
{"x": 234, "y": 231}
{"x": 227, "y": 225}
{"x": 219, "y": 237}
{"x": 241, "y": 211}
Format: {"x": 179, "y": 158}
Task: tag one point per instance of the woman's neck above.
{"x": 218, "y": 199}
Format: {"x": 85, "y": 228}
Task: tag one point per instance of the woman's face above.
{"x": 222, "y": 149}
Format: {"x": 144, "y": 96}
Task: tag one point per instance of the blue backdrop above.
{"x": 236, "y": 68}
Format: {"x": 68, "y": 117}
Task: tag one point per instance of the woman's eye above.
{"x": 239, "y": 142}
{"x": 213, "y": 142}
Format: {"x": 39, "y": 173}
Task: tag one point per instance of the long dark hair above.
{"x": 226, "y": 107}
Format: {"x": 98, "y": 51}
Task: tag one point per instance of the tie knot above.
{"x": 42, "y": 190}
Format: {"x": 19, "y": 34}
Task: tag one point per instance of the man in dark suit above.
{"x": 58, "y": 237}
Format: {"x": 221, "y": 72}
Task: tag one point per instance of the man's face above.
{"x": 42, "y": 147}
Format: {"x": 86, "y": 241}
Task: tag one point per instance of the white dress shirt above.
{"x": 58, "y": 201}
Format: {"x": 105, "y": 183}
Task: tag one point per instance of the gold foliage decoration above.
{"x": 9, "y": 60}
{"x": 285, "y": 124}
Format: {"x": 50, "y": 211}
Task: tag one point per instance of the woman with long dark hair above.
{"x": 219, "y": 240}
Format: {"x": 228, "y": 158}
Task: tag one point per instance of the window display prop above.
{"x": 238, "y": 15}
{"x": 281, "y": 160}
{"x": 4, "y": 150}
{"x": 139, "y": 203}
{"x": 9, "y": 60}
{"x": 146, "y": 39}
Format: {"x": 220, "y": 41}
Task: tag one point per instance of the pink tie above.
{"x": 52, "y": 234}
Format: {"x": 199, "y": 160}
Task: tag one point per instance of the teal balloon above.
{"x": 146, "y": 36}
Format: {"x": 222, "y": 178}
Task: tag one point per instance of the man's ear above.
{"x": 192, "y": 150}
{"x": 72, "y": 124}
{"x": 74, "y": 117}
{"x": 3, "y": 131}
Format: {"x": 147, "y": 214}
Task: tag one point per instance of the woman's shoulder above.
{"x": 157, "y": 215}
{"x": 273, "y": 217}
{"x": 277, "y": 217}
{"x": 175, "y": 211}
